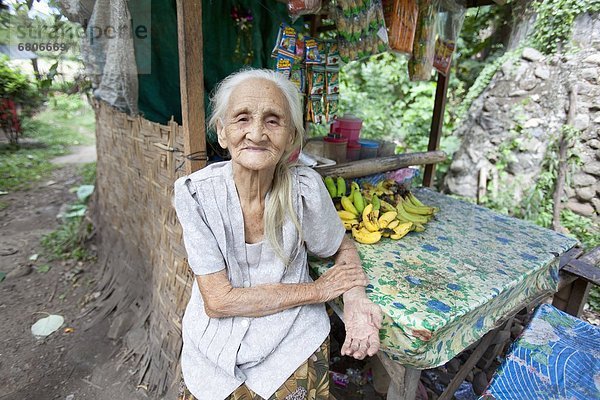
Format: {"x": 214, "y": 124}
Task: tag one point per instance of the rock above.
{"x": 533, "y": 123}
{"x": 490, "y": 105}
{"x": 589, "y": 74}
{"x": 528, "y": 84}
{"x": 70, "y": 397}
{"x": 489, "y": 122}
{"x": 593, "y": 59}
{"x": 542, "y": 72}
{"x": 596, "y": 203}
{"x": 581, "y": 122}
{"x": 594, "y": 143}
{"x": 518, "y": 93}
{"x": 19, "y": 271}
{"x": 480, "y": 382}
{"x": 582, "y": 179}
{"x": 569, "y": 192}
{"x": 531, "y": 54}
{"x": 592, "y": 168}
{"x": 585, "y": 193}
{"x": 458, "y": 165}
{"x": 584, "y": 209}
{"x": 453, "y": 365}
{"x": 535, "y": 97}
{"x": 120, "y": 325}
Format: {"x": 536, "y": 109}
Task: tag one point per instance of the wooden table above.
{"x": 444, "y": 289}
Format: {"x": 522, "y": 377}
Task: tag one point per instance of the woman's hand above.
{"x": 362, "y": 318}
{"x": 339, "y": 279}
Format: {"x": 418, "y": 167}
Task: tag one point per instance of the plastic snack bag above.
{"x": 420, "y": 64}
{"x": 297, "y": 8}
{"x": 450, "y": 18}
{"x": 403, "y": 23}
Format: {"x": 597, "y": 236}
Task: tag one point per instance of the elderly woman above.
{"x": 256, "y": 326}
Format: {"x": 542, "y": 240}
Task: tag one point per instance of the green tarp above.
{"x": 159, "y": 96}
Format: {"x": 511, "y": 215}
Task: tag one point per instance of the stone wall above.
{"x": 509, "y": 127}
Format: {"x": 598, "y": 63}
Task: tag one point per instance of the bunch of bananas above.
{"x": 371, "y": 218}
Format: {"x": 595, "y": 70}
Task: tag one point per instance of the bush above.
{"x": 16, "y": 86}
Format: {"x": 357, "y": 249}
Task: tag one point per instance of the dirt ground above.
{"x": 77, "y": 365}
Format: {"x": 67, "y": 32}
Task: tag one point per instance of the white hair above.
{"x": 219, "y": 101}
{"x": 280, "y": 204}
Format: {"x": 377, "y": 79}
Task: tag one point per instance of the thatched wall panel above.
{"x": 140, "y": 238}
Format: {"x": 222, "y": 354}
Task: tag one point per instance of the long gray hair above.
{"x": 280, "y": 201}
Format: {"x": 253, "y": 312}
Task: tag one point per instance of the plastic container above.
{"x": 368, "y": 149}
{"x": 353, "y": 151}
{"x": 335, "y": 148}
{"x": 347, "y": 126}
{"x": 386, "y": 149}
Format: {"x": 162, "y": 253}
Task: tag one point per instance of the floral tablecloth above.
{"x": 441, "y": 290}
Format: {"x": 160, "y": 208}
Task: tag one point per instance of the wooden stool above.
{"x": 557, "y": 356}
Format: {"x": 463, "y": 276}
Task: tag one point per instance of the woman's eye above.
{"x": 273, "y": 122}
{"x": 241, "y": 119}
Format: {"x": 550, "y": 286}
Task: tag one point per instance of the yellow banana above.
{"x": 330, "y": 185}
{"x": 393, "y": 224}
{"x": 386, "y": 218}
{"x": 358, "y": 200}
{"x": 346, "y": 215}
{"x": 349, "y": 223}
{"x": 401, "y": 230}
{"x": 404, "y": 215}
{"x": 369, "y": 219}
{"x": 366, "y": 237}
{"x": 348, "y": 206}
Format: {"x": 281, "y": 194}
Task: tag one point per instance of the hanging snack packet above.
{"x": 333, "y": 54}
{"x": 450, "y": 19}
{"x": 316, "y": 109}
{"x": 333, "y": 80}
{"x": 403, "y": 25}
{"x": 421, "y": 62}
{"x": 286, "y": 41}
{"x": 312, "y": 52}
{"x": 331, "y": 107}
{"x": 317, "y": 81}
{"x": 299, "y": 49}
{"x": 297, "y": 77}
{"x": 284, "y": 64}
{"x": 296, "y": 8}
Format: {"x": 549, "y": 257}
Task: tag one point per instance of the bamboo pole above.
{"x": 376, "y": 165}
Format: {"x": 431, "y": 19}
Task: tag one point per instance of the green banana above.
{"x": 376, "y": 203}
{"x": 421, "y": 210}
{"x": 404, "y": 215}
{"x": 341, "y": 186}
{"x": 330, "y": 185}
{"x": 358, "y": 201}
{"x": 385, "y": 206}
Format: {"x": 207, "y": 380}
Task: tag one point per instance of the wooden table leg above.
{"x": 404, "y": 380}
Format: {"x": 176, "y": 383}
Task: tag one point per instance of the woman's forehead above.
{"x": 257, "y": 92}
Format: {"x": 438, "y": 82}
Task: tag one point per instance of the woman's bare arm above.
{"x": 222, "y": 300}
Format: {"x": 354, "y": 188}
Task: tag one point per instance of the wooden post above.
{"x": 191, "y": 81}
{"x": 563, "y": 146}
{"x": 437, "y": 122}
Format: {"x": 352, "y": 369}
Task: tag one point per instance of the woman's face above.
{"x": 257, "y": 128}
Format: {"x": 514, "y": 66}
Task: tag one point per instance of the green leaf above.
{"x": 84, "y": 192}
{"x": 43, "y": 268}
{"x": 2, "y": 276}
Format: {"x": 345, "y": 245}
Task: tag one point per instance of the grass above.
{"x": 49, "y": 134}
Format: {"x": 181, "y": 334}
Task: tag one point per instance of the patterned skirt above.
{"x": 309, "y": 382}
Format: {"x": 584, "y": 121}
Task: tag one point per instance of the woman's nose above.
{"x": 256, "y": 132}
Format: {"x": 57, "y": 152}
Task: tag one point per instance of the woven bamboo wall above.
{"x": 145, "y": 273}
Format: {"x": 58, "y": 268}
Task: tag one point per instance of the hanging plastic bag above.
{"x": 297, "y": 8}
{"x": 451, "y": 15}
{"x": 402, "y": 25}
{"x": 420, "y": 64}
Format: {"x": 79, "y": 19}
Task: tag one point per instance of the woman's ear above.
{"x": 221, "y": 136}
